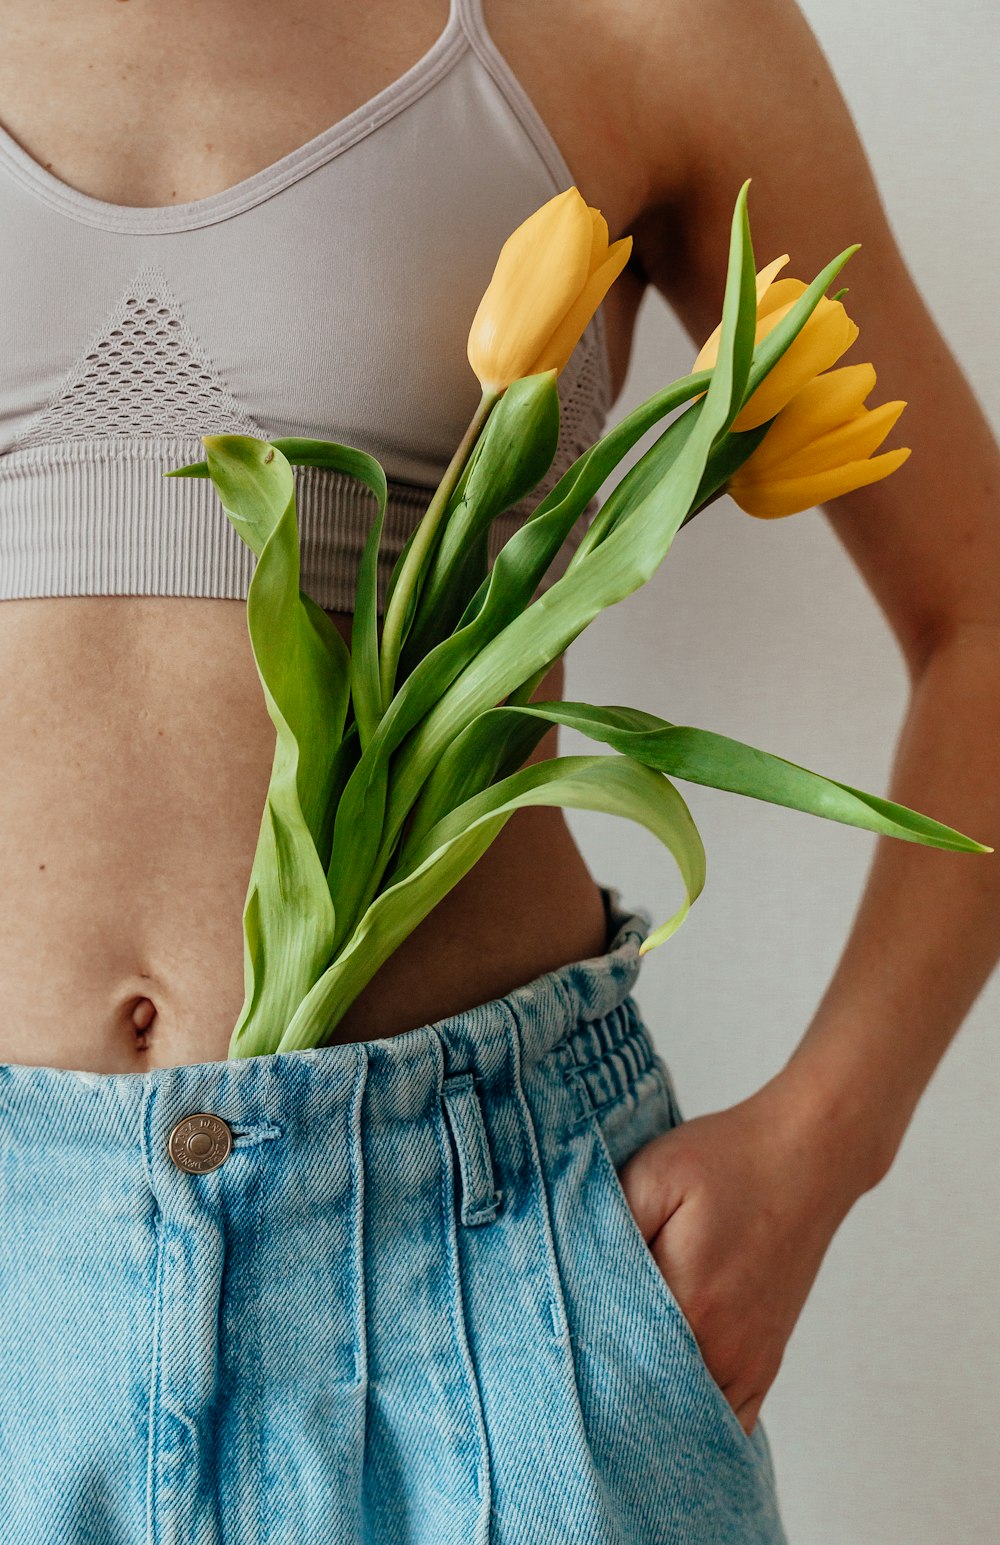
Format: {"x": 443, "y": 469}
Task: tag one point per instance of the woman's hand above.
{"x": 738, "y": 1208}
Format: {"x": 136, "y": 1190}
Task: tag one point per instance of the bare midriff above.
{"x": 135, "y": 745}
{"x": 135, "y": 753}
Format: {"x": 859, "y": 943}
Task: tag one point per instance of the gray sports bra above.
{"x": 328, "y": 295}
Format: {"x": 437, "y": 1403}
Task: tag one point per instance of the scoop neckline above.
{"x": 139, "y": 219}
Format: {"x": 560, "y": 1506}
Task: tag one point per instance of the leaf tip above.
{"x": 193, "y": 469}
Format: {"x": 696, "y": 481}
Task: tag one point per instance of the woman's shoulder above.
{"x": 663, "y": 109}
{"x": 580, "y": 63}
{"x": 640, "y": 92}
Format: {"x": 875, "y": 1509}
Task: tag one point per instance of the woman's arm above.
{"x": 757, "y": 98}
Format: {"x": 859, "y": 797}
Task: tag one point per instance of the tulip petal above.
{"x": 782, "y": 293}
{"x": 542, "y": 267}
{"x": 599, "y": 239}
{"x": 828, "y": 333}
{"x": 790, "y": 496}
{"x": 820, "y": 406}
{"x": 766, "y": 276}
{"x": 709, "y": 351}
{"x": 858, "y": 437}
{"x": 556, "y": 352}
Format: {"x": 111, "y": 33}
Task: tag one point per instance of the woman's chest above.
{"x": 145, "y": 107}
{"x": 131, "y": 108}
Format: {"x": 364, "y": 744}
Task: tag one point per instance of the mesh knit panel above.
{"x": 143, "y": 374}
{"x": 86, "y": 509}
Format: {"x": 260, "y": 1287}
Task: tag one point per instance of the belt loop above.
{"x": 480, "y": 1197}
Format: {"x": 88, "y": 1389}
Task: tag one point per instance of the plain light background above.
{"x": 885, "y": 1416}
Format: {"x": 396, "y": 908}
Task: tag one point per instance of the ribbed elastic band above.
{"x": 98, "y": 517}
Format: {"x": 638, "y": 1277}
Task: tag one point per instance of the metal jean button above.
{"x": 200, "y": 1142}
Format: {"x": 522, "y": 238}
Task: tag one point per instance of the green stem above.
{"x": 394, "y": 626}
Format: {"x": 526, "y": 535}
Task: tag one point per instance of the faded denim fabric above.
{"x": 412, "y": 1306}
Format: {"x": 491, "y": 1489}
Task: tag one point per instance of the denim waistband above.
{"x": 299, "y": 1093}
{"x": 409, "y": 1303}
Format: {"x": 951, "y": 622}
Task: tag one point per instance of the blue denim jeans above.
{"x": 387, "y": 1291}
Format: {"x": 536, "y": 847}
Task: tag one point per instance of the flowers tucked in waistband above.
{"x": 400, "y": 758}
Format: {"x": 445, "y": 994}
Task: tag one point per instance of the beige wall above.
{"x": 885, "y": 1417}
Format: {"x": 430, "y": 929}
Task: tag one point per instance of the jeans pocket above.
{"x": 617, "y": 1130}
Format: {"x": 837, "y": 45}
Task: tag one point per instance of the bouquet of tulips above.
{"x": 399, "y": 759}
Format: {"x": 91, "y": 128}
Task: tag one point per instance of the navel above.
{"x": 143, "y": 1015}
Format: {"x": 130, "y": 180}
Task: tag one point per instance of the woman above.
{"x": 393, "y": 1290}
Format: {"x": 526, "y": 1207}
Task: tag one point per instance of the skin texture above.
{"x": 661, "y": 111}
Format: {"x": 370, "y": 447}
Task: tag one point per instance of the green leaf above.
{"x": 193, "y": 469}
{"x": 727, "y": 455}
{"x": 496, "y": 743}
{"x": 615, "y": 785}
{"x": 365, "y": 691}
{"x": 512, "y": 455}
{"x": 303, "y": 666}
{"x": 508, "y": 587}
{"x": 401, "y": 608}
{"x": 700, "y": 756}
{"x": 397, "y": 567}
{"x": 640, "y": 480}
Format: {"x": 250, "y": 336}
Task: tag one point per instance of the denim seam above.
{"x": 552, "y": 1288}
{"x": 257, "y": 1399}
{"x": 566, "y": 1342}
{"x": 651, "y": 1267}
{"x": 146, "y": 1125}
{"x": 446, "y": 1195}
{"x": 146, "y": 1133}
{"x": 155, "y": 1382}
{"x": 356, "y": 1161}
{"x": 584, "y": 1106}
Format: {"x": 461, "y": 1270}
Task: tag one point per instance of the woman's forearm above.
{"x": 926, "y": 934}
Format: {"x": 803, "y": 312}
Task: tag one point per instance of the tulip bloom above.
{"x": 552, "y": 274}
{"x": 827, "y": 334}
{"x": 819, "y": 446}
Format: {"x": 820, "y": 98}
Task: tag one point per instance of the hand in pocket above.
{"x": 738, "y": 1208}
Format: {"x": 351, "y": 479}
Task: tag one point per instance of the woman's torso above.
{"x": 135, "y": 746}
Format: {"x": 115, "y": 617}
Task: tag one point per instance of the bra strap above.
{"x": 470, "y": 14}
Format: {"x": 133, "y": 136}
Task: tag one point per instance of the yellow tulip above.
{"x": 827, "y": 334}
{"x": 819, "y": 446}
{"x": 552, "y": 274}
